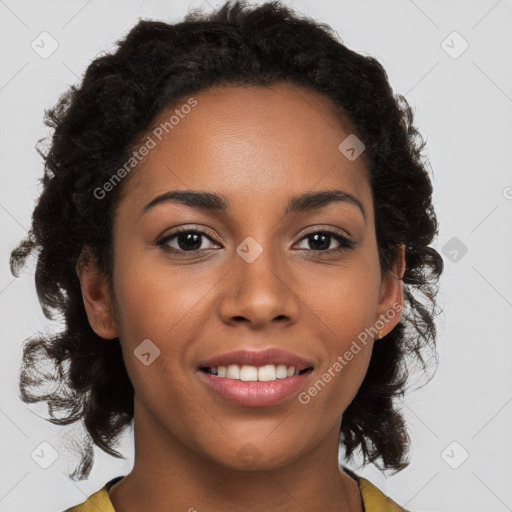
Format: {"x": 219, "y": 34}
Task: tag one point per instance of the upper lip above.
{"x": 257, "y": 358}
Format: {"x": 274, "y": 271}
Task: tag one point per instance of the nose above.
{"x": 259, "y": 293}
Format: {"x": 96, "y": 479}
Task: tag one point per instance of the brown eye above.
{"x": 186, "y": 240}
{"x": 320, "y": 241}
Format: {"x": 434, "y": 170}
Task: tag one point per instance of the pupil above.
{"x": 325, "y": 238}
{"x": 186, "y": 241}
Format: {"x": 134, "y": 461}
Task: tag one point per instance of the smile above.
{"x": 247, "y": 373}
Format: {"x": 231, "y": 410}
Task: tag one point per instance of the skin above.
{"x": 258, "y": 147}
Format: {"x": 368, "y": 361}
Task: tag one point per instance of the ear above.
{"x": 96, "y": 296}
{"x": 391, "y": 300}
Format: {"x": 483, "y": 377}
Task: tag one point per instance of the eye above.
{"x": 321, "y": 241}
{"x": 187, "y": 240}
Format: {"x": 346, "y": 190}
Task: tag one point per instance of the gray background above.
{"x": 463, "y": 107}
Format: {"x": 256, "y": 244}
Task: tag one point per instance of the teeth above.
{"x": 248, "y": 373}
{"x": 233, "y": 372}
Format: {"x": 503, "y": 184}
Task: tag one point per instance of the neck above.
{"x": 169, "y": 476}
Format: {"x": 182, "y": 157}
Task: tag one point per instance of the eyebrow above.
{"x": 217, "y": 202}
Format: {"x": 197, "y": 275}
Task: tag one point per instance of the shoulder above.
{"x": 97, "y": 502}
{"x": 375, "y": 500}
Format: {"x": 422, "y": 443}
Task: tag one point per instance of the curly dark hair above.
{"x": 98, "y": 124}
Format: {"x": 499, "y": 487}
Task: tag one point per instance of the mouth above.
{"x": 248, "y": 373}
{"x": 244, "y": 388}
{"x": 256, "y": 365}
{"x": 255, "y": 378}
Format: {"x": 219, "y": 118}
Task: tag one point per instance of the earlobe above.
{"x": 97, "y": 299}
{"x": 392, "y": 296}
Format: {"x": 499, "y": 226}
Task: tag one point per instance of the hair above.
{"x": 96, "y": 127}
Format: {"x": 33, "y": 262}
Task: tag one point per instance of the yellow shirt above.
{"x": 373, "y": 499}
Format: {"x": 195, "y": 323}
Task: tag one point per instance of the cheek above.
{"x": 344, "y": 301}
{"x": 163, "y": 305}
{"x": 343, "y": 308}
{"x": 154, "y": 299}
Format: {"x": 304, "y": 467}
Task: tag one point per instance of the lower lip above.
{"x": 255, "y": 393}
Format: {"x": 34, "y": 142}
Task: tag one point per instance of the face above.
{"x": 262, "y": 272}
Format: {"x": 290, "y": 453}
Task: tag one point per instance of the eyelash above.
{"x": 345, "y": 243}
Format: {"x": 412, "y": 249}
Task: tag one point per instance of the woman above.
{"x": 234, "y": 214}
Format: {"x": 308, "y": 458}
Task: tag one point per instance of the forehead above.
{"x": 246, "y": 142}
